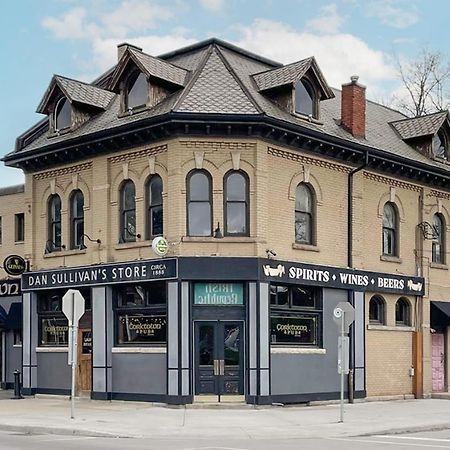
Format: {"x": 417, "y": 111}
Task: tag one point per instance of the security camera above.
{"x": 271, "y": 253}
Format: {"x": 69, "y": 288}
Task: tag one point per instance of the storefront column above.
{"x": 29, "y": 343}
{"x": 3, "y": 359}
{"x": 264, "y": 343}
{"x": 173, "y": 355}
{"x": 359, "y": 345}
{"x": 184, "y": 341}
{"x": 252, "y": 341}
{"x": 102, "y": 340}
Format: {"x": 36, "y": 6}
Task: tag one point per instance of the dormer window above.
{"x": 63, "y": 114}
{"x": 305, "y": 99}
{"x": 439, "y": 145}
{"x": 136, "y": 91}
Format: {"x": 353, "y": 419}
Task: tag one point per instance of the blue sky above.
{"x": 78, "y": 39}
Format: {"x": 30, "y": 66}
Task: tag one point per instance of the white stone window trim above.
{"x": 297, "y": 350}
{"x": 162, "y": 350}
{"x": 390, "y": 328}
{"x": 52, "y": 349}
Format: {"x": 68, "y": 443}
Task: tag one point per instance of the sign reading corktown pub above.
{"x": 159, "y": 269}
{"x": 335, "y": 277}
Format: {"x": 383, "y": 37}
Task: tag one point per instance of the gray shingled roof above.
{"x": 420, "y": 126}
{"x": 290, "y": 74}
{"x": 222, "y": 81}
{"x": 76, "y": 91}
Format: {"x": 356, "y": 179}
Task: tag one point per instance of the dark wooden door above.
{"x": 219, "y": 361}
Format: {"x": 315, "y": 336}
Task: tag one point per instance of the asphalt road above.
{"x": 416, "y": 441}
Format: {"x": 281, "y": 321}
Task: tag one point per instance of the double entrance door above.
{"x": 219, "y": 358}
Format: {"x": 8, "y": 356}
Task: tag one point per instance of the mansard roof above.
{"x": 75, "y": 91}
{"x": 415, "y": 127}
{"x": 290, "y": 74}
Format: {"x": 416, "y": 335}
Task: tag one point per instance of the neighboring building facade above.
{"x": 279, "y": 198}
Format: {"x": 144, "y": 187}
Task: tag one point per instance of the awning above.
{"x": 3, "y": 317}
{"x": 440, "y": 314}
{"x": 14, "y": 320}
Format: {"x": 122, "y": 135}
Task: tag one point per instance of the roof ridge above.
{"x": 158, "y": 58}
{"x": 214, "y": 40}
{"x": 445, "y": 112}
{"x": 284, "y": 66}
{"x": 193, "y": 79}
{"x": 81, "y": 82}
{"x": 237, "y": 79}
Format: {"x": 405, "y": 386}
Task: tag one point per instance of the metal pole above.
{"x": 342, "y": 367}
{"x": 73, "y": 357}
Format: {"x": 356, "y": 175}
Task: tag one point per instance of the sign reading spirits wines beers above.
{"x": 218, "y": 294}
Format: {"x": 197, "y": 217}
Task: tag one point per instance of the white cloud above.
{"x": 329, "y": 20}
{"x": 212, "y": 5}
{"x": 339, "y": 55}
{"x": 395, "y": 13}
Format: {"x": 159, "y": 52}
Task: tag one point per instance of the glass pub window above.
{"x": 402, "y": 312}
{"x": 63, "y": 114}
{"x": 76, "y": 219}
{"x": 137, "y": 93}
{"x": 389, "y": 230}
{"x": 376, "y": 310}
{"x": 54, "y": 223}
{"x": 236, "y": 204}
{"x": 438, "y": 243}
{"x": 19, "y": 227}
{"x": 303, "y": 214}
{"x": 127, "y": 212}
{"x": 154, "y": 207}
{"x": 199, "y": 204}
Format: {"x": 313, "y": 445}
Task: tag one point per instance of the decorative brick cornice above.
{"x": 217, "y": 145}
{"x": 307, "y": 160}
{"x": 64, "y": 171}
{"x": 151, "y": 151}
{"x": 392, "y": 182}
{"x": 439, "y": 194}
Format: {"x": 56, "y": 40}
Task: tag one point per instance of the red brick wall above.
{"x": 353, "y": 109}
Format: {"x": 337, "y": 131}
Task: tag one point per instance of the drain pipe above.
{"x": 350, "y": 297}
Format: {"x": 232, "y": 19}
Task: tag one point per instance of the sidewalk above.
{"x": 130, "y": 419}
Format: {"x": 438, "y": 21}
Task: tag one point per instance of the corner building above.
{"x": 279, "y": 198}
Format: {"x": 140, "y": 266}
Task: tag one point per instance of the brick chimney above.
{"x": 122, "y": 47}
{"x": 353, "y": 107}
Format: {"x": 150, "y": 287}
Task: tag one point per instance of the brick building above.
{"x": 278, "y": 196}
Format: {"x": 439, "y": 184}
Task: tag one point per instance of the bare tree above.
{"x": 426, "y": 80}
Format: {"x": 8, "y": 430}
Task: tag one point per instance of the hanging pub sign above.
{"x": 14, "y": 265}
{"x": 218, "y": 294}
{"x": 335, "y": 277}
{"x": 147, "y": 270}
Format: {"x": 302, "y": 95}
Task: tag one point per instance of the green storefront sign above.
{"x": 218, "y": 294}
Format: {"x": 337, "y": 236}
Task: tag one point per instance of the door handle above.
{"x": 221, "y": 367}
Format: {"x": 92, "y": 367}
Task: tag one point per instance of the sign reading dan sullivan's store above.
{"x": 335, "y": 277}
{"x": 158, "y": 269}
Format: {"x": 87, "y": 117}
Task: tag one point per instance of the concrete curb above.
{"x": 408, "y": 430}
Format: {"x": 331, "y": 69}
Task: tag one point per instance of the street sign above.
{"x": 73, "y": 306}
{"x": 346, "y": 310}
{"x": 343, "y": 354}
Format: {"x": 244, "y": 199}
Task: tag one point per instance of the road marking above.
{"x": 72, "y": 438}
{"x": 413, "y": 438}
{"x": 389, "y": 443}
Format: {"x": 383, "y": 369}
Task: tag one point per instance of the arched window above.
{"x": 54, "y": 224}
{"x": 77, "y": 219}
{"x": 236, "y": 204}
{"x": 304, "y": 214}
{"x": 390, "y": 232}
{"x": 127, "y": 212}
{"x": 403, "y": 312}
{"x": 137, "y": 91}
{"x": 377, "y": 310}
{"x": 305, "y": 99}
{"x": 63, "y": 114}
{"x": 154, "y": 207}
{"x": 438, "y": 243}
{"x": 199, "y": 207}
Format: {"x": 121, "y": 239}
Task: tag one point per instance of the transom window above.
{"x": 54, "y": 223}
{"x": 390, "y": 223}
{"x": 236, "y": 204}
{"x": 403, "y": 312}
{"x": 137, "y": 91}
{"x": 304, "y": 220}
{"x": 77, "y": 220}
{"x": 295, "y": 315}
{"x": 377, "y": 310}
{"x": 438, "y": 242}
{"x": 154, "y": 207}
{"x": 63, "y": 114}
{"x": 199, "y": 208}
{"x": 127, "y": 212}
{"x": 305, "y": 99}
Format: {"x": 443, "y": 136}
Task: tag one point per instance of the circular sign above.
{"x": 14, "y": 265}
{"x": 160, "y": 246}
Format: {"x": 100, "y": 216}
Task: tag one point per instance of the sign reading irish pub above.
{"x": 159, "y": 269}
{"x": 335, "y": 277}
